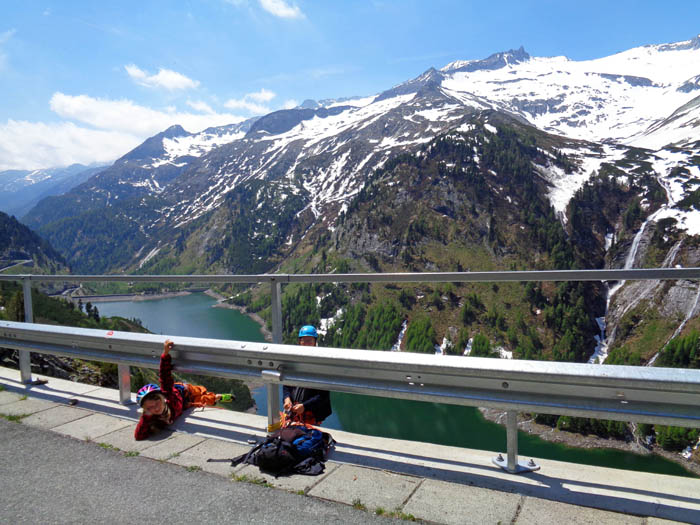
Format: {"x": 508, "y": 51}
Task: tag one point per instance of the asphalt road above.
{"x": 48, "y": 478}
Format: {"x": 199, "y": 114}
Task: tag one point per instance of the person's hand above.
{"x": 167, "y": 346}
{"x": 298, "y": 408}
{"x": 287, "y": 404}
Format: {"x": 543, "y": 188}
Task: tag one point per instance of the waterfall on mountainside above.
{"x": 397, "y": 344}
{"x": 601, "y": 350}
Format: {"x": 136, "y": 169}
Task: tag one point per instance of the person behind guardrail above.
{"x": 162, "y": 404}
{"x": 306, "y": 405}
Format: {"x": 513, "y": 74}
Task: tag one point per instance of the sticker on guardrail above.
{"x": 110, "y": 333}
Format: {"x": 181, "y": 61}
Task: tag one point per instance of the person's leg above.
{"x": 199, "y": 396}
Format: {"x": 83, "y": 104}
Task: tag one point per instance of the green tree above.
{"x": 420, "y": 336}
{"x": 481, "y": 347}
{"x": 681, "y": 352}
{"x": 15, "y": 307}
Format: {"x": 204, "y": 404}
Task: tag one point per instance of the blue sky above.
{"x": 84, "y": 81}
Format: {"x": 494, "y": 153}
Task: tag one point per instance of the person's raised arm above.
{"x": 166, "y": 367}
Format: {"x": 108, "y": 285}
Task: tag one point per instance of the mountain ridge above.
{"x": 325, "y": 153}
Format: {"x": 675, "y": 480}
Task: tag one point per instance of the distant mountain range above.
{"x": 21, "y": 190}
{"x": 599, "y": 160}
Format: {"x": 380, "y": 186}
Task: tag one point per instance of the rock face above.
{"x": 62, "y": 368}
{"x": 20, "y": 245}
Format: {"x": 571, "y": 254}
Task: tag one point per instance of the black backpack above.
{"x": 275, "y": 457}
{"x": 278, "y": 455}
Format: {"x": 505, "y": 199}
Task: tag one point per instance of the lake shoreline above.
{"x": 581, "y": 441}
{"x": 109, "y": 298}
{"x": 255, "y": 317}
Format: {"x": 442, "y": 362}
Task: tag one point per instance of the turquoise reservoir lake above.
{"x": 193, "y": 316}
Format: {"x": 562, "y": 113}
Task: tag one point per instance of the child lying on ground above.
{"x": 165, "y": 403}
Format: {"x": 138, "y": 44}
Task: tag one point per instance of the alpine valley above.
{"x": 511, "y": 162}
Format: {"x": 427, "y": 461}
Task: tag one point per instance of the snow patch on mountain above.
{"x": 194, "y": 145}
{"x": 435, "y": 114}
{"x": 149, "y": 256}
{"x": 686, "y": 220}
{"x": 150, "y": 184}
{"x": 617, "y": 97}
{"x": 318, "y": 129}
{"x": 564, "y": 185}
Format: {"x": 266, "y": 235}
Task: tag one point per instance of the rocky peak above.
{"x": 431, "y": 79}
{"x": 495, "y": 61}
{"x": 153, "y": 147}
{"x": 693, "y": 43}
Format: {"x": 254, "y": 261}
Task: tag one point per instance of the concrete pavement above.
{"x": 434, "y": 483}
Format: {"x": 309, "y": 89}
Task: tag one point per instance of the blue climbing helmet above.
{"x": 144, "y": 391}
{"x": 308, "y": 330}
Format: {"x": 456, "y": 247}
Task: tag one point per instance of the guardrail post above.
{"x": 276, "y": 305}
{"x": 124, "y": 384}
{"x": 273, "y": 389}
{"x": 25, "y": 358}
{"x": 512, "y": 465}
{"x": 512, "y": 440}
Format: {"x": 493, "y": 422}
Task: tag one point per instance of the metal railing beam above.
{"x": 636, "y": 274}
{"x": 624, "y": 393}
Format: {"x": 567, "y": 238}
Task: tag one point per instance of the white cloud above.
{"x": 281, "y": 9}
{"x": 252, "y": 107}
{"x": 264, "y": 95}
{"x": 165, "y": 78}
{"x": 33, "y": 145}
{"x": 252, "y": 102}
{"x": 126, "y": 116}
{"x": 289, "y": 104}
{"x": 102, "y": 130}
{"x": 200, "y": 105}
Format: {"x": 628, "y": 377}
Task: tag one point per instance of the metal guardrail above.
{"x": 642, "y": 394}
{"x": 624, "y": 393}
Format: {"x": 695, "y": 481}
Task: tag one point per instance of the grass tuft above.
{"x": 245, "y": 478}
{"x": 15, "y": 419}
{"x": 357, "y": 504}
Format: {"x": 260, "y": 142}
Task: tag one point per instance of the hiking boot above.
{"x": 227, "y": 398}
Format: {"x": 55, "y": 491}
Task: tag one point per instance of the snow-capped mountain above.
{"x": 319, "y": 155}
{"x": 627, "y": 97}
